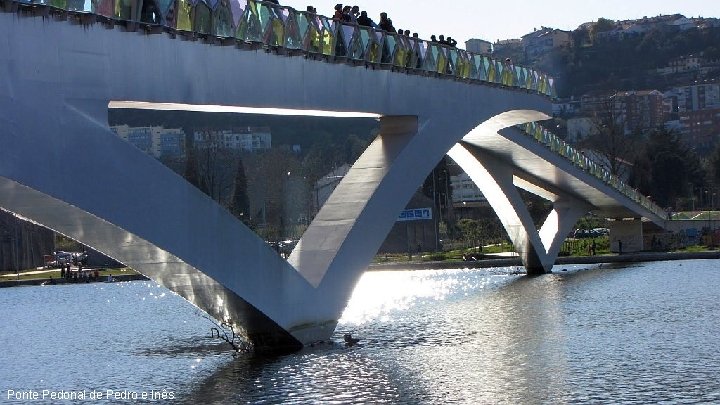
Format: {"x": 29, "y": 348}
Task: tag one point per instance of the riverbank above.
{"x": 52, "y": 277}
{"x": 486, "y": 262}
{"x": 489, "y": 262}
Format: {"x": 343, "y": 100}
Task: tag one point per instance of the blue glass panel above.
{"x": 388, "y": 50}
{"x": 237, "y": 7}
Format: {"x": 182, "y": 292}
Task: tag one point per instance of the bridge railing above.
{"x": 284, "y": 28}
{"x": 562, "y": 148}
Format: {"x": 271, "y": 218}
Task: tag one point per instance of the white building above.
{"x": 464, "y": 191}
{"x": 478, "y": 46}
{"x": 156, "y": 141}
{"x": 692, "y": 98}
{"x": 249, "y": 139}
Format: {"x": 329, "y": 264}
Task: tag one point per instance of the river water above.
{"x": 643, "y": 333}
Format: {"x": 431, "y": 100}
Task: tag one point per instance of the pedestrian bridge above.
{"x": 63, "y": 63}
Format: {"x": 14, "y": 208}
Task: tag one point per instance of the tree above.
{"x": 613, "y": 147}
{"x": 670, "y": 170}
{"x": 240, "y": 204}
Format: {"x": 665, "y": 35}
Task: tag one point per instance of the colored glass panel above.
{"x": 62, "y": 4}
{"x": 401, "y": 52}
{"x": 327, "y": 36}
{"x": 388, "y": 53}
{"x": 184, "y": 8}
{"x": 421, "y": 54}
{"x": 102, "y": 7}
{"x": 481, "y": 67}
{"x": 223, "y": 25}
{"x": 293, "y": 40}
{"x": 452, "y": 56}
{"x": 150, "y": 12}
{"x": 250, "y": 29}
{"x": 123, "y": 9}
{"x": 365, "y": 39}
{"x": 442, "y": 60}
{"x": 237, "y": 8}
{"x": 309, "y": 33}
{"x": 202, "y": 20}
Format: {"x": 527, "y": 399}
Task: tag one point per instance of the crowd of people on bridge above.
{"x": 353, "y": 15}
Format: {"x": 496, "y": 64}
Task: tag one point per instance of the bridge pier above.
{"x": 496, "y": 180}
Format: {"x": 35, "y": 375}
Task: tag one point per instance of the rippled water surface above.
{"x": 646, "y": 333}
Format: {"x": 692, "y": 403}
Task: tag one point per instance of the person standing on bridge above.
{"x": 364, "y": 20}
{"x": 385, "y": 23}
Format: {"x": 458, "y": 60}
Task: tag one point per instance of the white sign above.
{"x": 415, "y": 214}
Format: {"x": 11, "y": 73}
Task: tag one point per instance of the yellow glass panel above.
{"x": 183, "y": 15}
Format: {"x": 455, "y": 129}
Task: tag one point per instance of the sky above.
{"x": 465, "y": 19}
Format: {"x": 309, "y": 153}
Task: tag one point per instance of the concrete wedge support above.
{"x": 495, "y": 178}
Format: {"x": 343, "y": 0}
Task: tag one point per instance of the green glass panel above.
{"x": 266, "y": 18}
{"x": 473, "y": 66}
{"x": 303, "y": 24}
{"x": 389, "y": 46}
{"x": 365, "y": 41}
{"x": 429, "y": 64}
{"x": 62, "y": 4}
{"x": 222, "y": 21}
{"x": 203, "y": 18}
{"x": 529, "y": 79}
{"x": 499, "y": 72}
{"x": 482, "y": 70}
{"x": 250, "y": 29}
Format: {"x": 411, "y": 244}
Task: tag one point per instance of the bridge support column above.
{"x": 495, "y": 180}
{"x": 559, "y": 223}
{"x": 538, "y": 250}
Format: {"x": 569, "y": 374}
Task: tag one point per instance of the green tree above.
{"x": 671, "y": 170}
{"x": 240, "y": 205}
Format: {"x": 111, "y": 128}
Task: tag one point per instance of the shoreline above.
{"x": 567, "y": 260}
{"x": 415, "y": 265}
{"x": 61, "y": 281}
